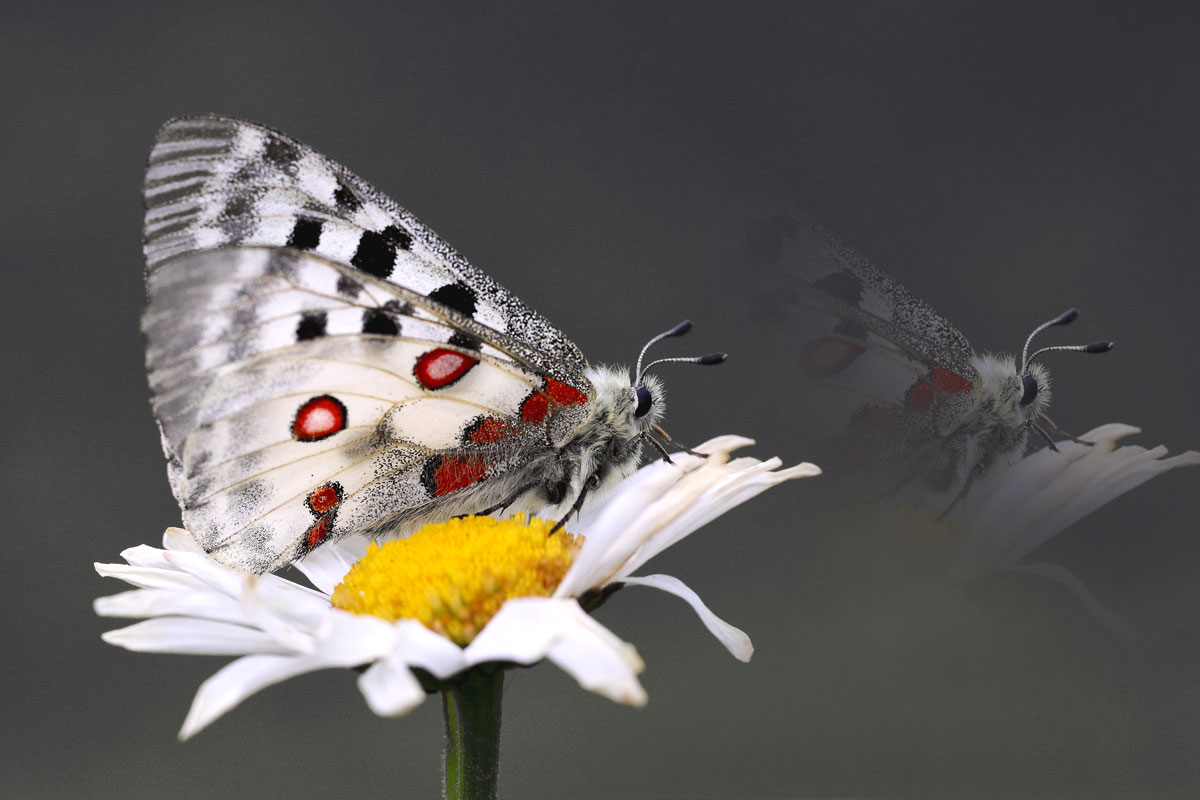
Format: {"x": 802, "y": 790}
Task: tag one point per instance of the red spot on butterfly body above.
{"x": 555, "y": 393}
{"x": 318, "y": 418}
{"x": 828, "y": 355}
{"x": 441, "y": 367}
{"x": 451, "y": 473}
{"x": 940, "y": 382}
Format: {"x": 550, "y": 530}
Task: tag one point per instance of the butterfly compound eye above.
{"x": 643, "y": 402}
{"x": 1029, "y": 389}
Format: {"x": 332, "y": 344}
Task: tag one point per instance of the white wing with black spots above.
{"x": 214, "y": 182}
{"x": 321, "y": 363}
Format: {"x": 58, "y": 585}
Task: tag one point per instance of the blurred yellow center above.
{"x": 454, "y": 576}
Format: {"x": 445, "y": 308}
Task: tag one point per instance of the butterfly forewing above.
{"x": 214, "y": 182}
{"x": 880, "y": 374}
{"x": 321, "y": 363}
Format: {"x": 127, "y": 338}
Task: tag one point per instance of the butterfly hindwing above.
{"x": 320, "y": 362}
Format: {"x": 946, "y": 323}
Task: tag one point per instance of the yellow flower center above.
{"x": 454, "y": 576}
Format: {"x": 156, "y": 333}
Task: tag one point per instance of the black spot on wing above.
{"x": 456, "y": 295}
{"x": 237, "y": 216}
{"x": 282, "y": 153}
{"x": 843, "y": 286}
{"x": 345, "y": 198}
{"x": 238, "y": 205}
{"x": 429, "y": 474}
{"x": 398, "y": 307}
{"x": 348, "y": 287}
{"x": 306, "y": 233}
{"x": 379, "y": 322}
{"x": 311, "y": 325}
{"x": 376, "y": 255}
{"x": 465, "y": 340}
{"x": 847, "y": 288}
{"x": 399, "y": 238}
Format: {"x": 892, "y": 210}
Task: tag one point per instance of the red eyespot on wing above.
{"x": 318, "y": 532}
{"x": 950, "y": 383}
{"x": 441, "y": 367}
{"x": 828, "y": 355}
{"x": 920, "y": 396}
{"x": 489, "y": 430}
{"x": 318, "y": 418}
{"x": 446, "y": 474}
{"x": 564, "y": 394}
{"x": 324, "y": 499}
{"x": 535, "y": 408}
{"x": 538, "y": 405}
{"x": 940, "y": 382}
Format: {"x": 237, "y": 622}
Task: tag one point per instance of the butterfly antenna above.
{"x": 678, "y": 330}
{"x": 1062, "y": 319}
{"x": 1094, "y": 347}
{"x": 708, "y": 360}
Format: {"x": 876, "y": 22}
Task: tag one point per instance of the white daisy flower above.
{"x": 492, "y": 591}
{"x": 1016, "y": 508}
{"x": 1011, "y": 511}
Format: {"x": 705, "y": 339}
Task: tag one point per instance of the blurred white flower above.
{"x": 1014, "y": 509}
{"x": 280, "y": 629}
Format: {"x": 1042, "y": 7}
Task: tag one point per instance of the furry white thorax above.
{"x": 606, "y": 444}
{"x": 995, "y": 427}
{"x": 612, "y": 420}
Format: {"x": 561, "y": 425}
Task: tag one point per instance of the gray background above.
{"x": 1005, "y": 161}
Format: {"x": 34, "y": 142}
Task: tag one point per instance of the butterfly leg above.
{"x": 592, "y": 482}
{"x": 1042, "y": 432}
{"x": 667, "y": 438}
{"x": 1057, "y": 429}
{"x": 662, "y": 450}
{"x": 962, "y": 493}
{"x": 504, "y": 504}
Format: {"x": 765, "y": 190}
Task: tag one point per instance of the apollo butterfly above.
{"x": 321, "y": 363}
{"x": 886, "y": 385}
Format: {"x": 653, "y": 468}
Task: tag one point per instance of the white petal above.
{"x": 1120, "y": 628}
{"x": 144, "y": 555}
{"x": 421, "y": 647}
{"x": 528, "y": 629}
{"x": 327, "y": 565}
{"x": 192, "y": 636}
{"x": 612, "y": 528}
{"x": 237, "y": 681}
{"x": 169, "y": 602}
{"x": 735, "y": 640}
{"x": 349, "y": 640}
{"x": 1017, "y": 508}
{"x": 661, "y": 504}
{"x": 390, "y": 688}
{"x": 739, "y": 481}
{"x": 214, "y": 574}
{"x": 152, "y": 577}
{"x": 292, "y": 624}
{"x": 181, "y": 539}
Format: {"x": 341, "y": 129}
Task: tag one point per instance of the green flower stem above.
{"x": 472, "y": 711}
